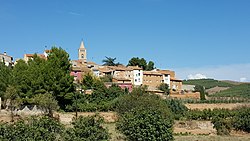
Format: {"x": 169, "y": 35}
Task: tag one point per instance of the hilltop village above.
{"x": 79, "y": 99}
{"x": 126, "y": 77}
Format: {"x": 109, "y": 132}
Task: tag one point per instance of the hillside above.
{"x": 242, "y": 90}
{"x": 208, "y": 83}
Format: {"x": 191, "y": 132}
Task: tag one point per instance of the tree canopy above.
{"x": 40, "y": 76}
{"x": 141, "y": 62}
{"x": 5, "y": 78}
{"x": 109, "y": 61}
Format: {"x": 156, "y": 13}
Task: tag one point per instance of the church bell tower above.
{"x": 82, "y": 53}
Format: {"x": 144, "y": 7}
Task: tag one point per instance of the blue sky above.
{"x": 207, "y": 37}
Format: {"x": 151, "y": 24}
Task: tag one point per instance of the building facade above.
{"x": 8, "y": 60}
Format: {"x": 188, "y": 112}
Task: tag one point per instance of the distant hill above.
{"x": 208, "y": 83}
{"x": 242, "y": 90}
{"x": 223, "y": 88}
{"x": 234, "y": 82}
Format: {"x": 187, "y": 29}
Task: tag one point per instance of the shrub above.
{"x": 223, "y": 126}
{"x": 177, "y": 107}
{"x": 147, "y": 101}
{"x": 165, "y": 88}
{"x": 208, "y": 114}
{"x": 87, "y": 129}
{"x": 32, "y": 129}
{"x": 145, "y": 124}
{"x": 241, "y": 120}
{"x": 144, "y": 117}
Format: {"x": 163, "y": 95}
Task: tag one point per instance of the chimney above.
{"x": 4, "y": 53}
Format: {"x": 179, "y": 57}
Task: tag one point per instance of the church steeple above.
{"x": 82, "y": 53}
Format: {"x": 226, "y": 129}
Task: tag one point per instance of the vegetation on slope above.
{"x": 242, "y": 90}
{"x": 207, "y": 83}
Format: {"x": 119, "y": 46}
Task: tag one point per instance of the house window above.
{"x": 135, "y": 80}
{"x": 138, "y": 74}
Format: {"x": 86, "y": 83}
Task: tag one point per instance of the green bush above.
{"x": 144, "y": 117}
{"x": 208, "y": 114}
{"x": 147, "y": 101}
{"x": 177, "y": 108}
{"x": 165, "y": 88}
{"x": 102, "y": 99}
{"x": 241, "y": 120}
{"x": 87, "y": 129}
{"x": 223, "y": 126}
{"x": 32, "y": 129}
{"x": 145, "y": 125}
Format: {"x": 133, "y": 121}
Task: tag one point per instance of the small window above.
{"x": 82, "y": 56}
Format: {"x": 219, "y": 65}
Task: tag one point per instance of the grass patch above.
{"x": 115, "y": 134}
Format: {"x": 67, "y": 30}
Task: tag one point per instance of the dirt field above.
{"x": 203, "y": 106}
{"x": 216, "y": 89}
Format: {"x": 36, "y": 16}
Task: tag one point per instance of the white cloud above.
{"x": 223, "y": 72}
{"x": 197, "y": 76}
{"x": 243, "y": 79}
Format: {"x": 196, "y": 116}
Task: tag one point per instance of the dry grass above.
{"x": 203, "y": 106}
{"x": 211, "y": 138}
{"x": 115, "y": 135}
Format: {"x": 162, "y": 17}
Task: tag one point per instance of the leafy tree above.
{"x": 5, "y": 78}
{"x": 145, "y": 125}
{"x": 47, "y": 102}
{"x": 107, "y": 78}
{"x": 113, "y": 92}
{"x": 150, "y": 66}
{"x": 165, "y": 88}
{"x": 58, "y": 79}
{"x": 101, "y": 99}
{"x": 87, "y": 129}
{"x": 140, "y": 90}
{"x": 90, "y": 81}
{"x": 201, "y": 89}
{"x": 22, "y": 79}
{"x": 144, "y": 117}
{"x": 11, "y": 94}
{"x": 51, "y": 75}
{"x": 147, "y": 101}
{"x": 136, "y": 61}
{"x": 110, "y": 61}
